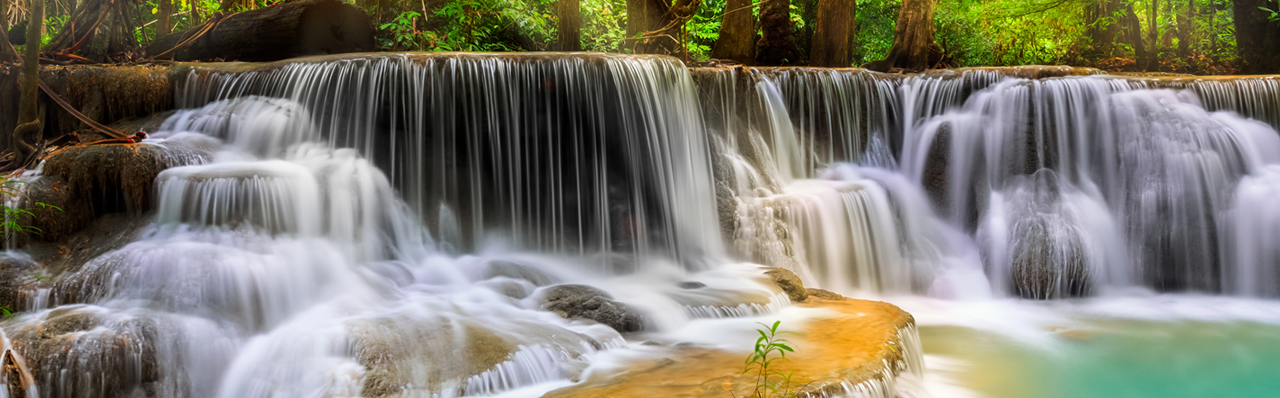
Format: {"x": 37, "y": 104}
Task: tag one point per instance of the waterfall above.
{"x": 389, "y": 224}
{"x": 582, "y": 155}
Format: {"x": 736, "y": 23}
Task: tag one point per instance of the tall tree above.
{"x": 1257, "y": 39}
{"x": 1184, "y": 29}
{"x": 1153, "y": 36}
{"x": 1103, "y": 27}
{"x": 5, "y": 54}
{"x": 1133, "y": 32}
{"x": 777, "y": 45}
{"x": 654, "y": 26}
{"x": 28, "y": 112}
{"x": 164, "y": 21}
{"x": 737, "y": 33}
{"x": 913, "y": 47}
{"x": 570, "y": 25}
{"x": 831, "y": 39}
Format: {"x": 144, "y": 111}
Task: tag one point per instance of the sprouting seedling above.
{"x": 762, "y": 360}
{"x": 39, "y": 277}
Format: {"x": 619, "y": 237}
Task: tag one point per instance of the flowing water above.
{"x": 386, "y": 226}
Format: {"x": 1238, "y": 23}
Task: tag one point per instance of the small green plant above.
{"x": 39, "y": 277}
{"x": 6, "y": 311}
{"x": 762, "y": 360}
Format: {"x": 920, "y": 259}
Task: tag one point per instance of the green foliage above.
{"x": 1273, "y": 14}
{"x": 604, "y": 25}
{"x": 13, "y": 216}
{"x": 703, "y": 29}
{"x": 5, "y": 311}
{"x": 761, "y": 362}
{"x": 402, "y": 32}
{"x": 875, "y": 29}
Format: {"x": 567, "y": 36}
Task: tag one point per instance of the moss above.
{"x": 110, "y": 178}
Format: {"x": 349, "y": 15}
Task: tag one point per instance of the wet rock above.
{"x": 1048, "y": 259}
{"x": 824, "y": 294}
{"x": 110, "y": 178}
{"x": 789, "y": 282}
{"x": 580, "y": 301}
{"x": 519, "y": 271}
{"x": 15, "y": 273}
{"x": 109, "y": 356}
{"x": 408, "y": 355}
{"x": 692, "y": 285}
{"x": 1048, "y": 255}
{"x": 513, "y": 288}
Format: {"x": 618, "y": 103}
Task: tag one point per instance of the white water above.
{"x": 385, "y": 225}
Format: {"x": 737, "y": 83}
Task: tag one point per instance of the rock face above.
{"x": 113, "y": 356}
{"x": 580, "y": 301}
{"x": 789, "y": 282}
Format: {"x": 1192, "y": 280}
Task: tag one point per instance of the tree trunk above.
{"x": 1257, "y": 39}
{"x": 913, "y": 46}
{"x": 737, "y": 33}
{"x": 28, "y": 112}
{"x": 1103, "y": 28}
{"x": 97, "y": 30}
{"x": 1153, "y": 36}
{"x": 777, "y": 45}
{"x": 653, "y": 26}
{"x": 570, "y": 25}
{"x": 831, "y": 38}
{"x": 1185, "y": 19}
{"x": 1134, "y": 34}
{"x": 307, "y": 27}
{"x": 164, "y": 21}
{"x": 6, "y": 55}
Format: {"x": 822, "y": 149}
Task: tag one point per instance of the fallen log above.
{"x": 307, "y": 27}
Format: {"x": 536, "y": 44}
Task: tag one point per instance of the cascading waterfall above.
{"x": 568, "y": 154}
{"x": 339, "y": 210}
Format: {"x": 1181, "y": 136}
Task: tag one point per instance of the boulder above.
{"x": 113, "y": 356}
{"x": 789, "y": 282}
{"x": 580, "y": 301}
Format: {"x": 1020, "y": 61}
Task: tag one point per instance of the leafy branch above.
{"x": 761, "y": 362}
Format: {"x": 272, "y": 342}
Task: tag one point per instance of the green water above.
{"x": 1115, "y": 358}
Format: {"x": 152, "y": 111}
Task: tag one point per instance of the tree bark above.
{"x": 1103, "y": 27}
{"x": 287, "y": 30}
{"x": 913, "y": 47}
{"x": 831, "y": 38}
{"x": 28, "y": 112}
{"x": 1134, "y": 34}
{"x": 164, "y": 21}
{"x": 570, "y": 24}
{"x": 5, "y": 54}
{"x": 1153, "y": 36}
{"x": 97, "y": 29}
{"x": 1257, "y": 39}
{"x": 737, "y": 33}
{"x": 1184, "y": 29}
{"x": 777, "y": 45}
{"x": 653, "y": 26}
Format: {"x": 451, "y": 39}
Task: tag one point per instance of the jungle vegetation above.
{"x": 1185, "y": 36}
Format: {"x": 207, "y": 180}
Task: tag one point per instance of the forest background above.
{"x": 1180, "y": 36}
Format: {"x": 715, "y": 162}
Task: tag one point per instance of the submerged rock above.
{"x": 108, "y": 356}
{"x": 580, "y": 301}
{"x": 405, "y": 355}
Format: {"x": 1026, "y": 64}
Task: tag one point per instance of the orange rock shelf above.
{"x": 860, "y": 344}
